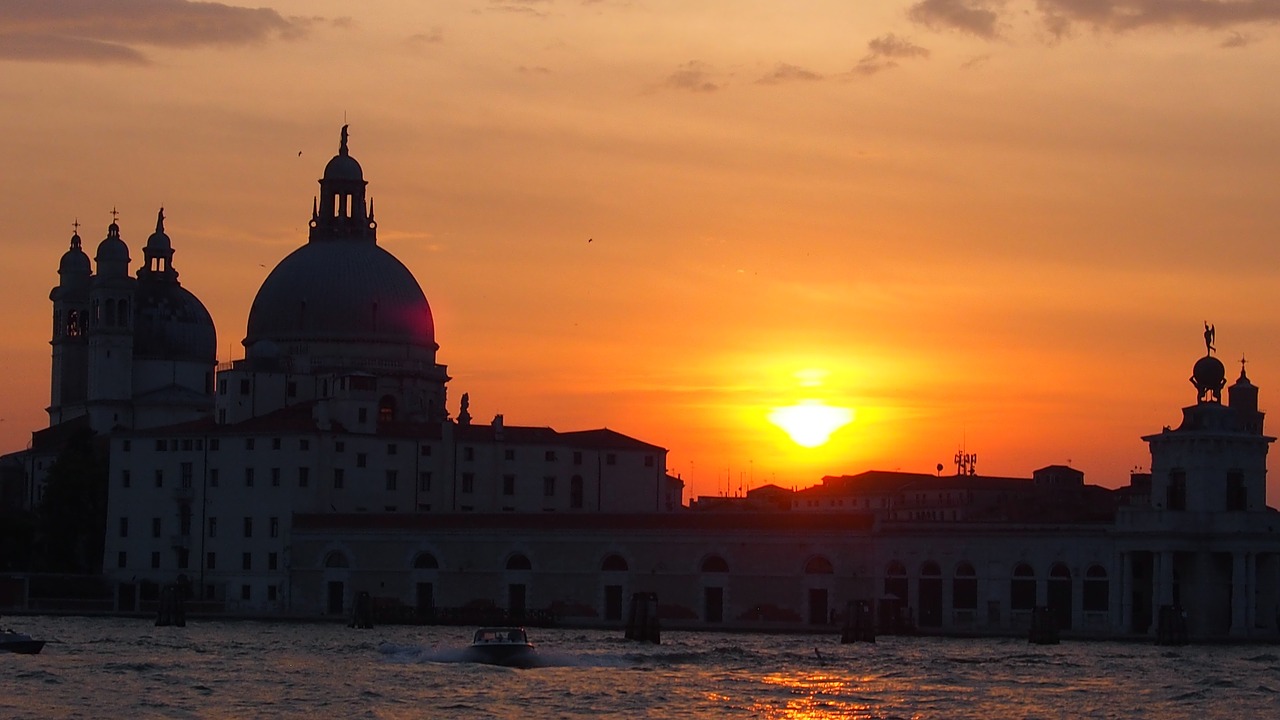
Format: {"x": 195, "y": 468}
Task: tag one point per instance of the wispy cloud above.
{"x": 534, "y": 8}
{"x": 884, "y": 52}
{"x": 975, "y": 17}
{"x": 785, "y": 73}
{"x": 693, "y": 76}
{"x": 97, "y": 31}
{"x": 1122, "y": 15}
{"x": 417, "y": 41}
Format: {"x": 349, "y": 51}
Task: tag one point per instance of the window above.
{"x": 155, "y": 560}
{"x": 246, "y": 561}
{"x": 222, "y": 387}
{"x": 362, "y": 415}
{"x": 271, "y": 593}
{"x": 187, "y": 444}
{"x": 124, "y": 527}
{"x": 275, "y": 477}
{"x": 1237, "y": 497}
{"x": 275, "y": 443}
{"x": 248, "y": 477}
{"x": 273, "y": 527}
{"x": 246, "y": 592}
{"x": 610, "y": 459}
{"x": 159, "y": 477}
{"x": 291, "y": 389}
{"x": 575, "y": 492}
{"x": 126, "y": 445}
{"x": 391, "y": 479}
{"x": 213, "y": 527}
{"x": 339, "y": 477}
{"x": 964, "y": 588}
{"x": 424, "y": 450}
{"x": 1096, "y": 589}
{"x": 508, "y": 454}
{"x": 304, "y": 444}
{"x": 248, "y": 527}
{"x": 508, "y": 484}
{"x": 1022, "y": 589}
{"x": 122, "y": 559}
{"x": 1177, "y": 490}
{"x": 244, "y": 386}
{"x": 339, "y": 446}
{"x": 213, "y": 477}
{"x": 214, "y": 444}
{"x": 186, "y": 472}
{"x": 124, "y": 478}
{"x": 184, "y": 558}
{"x": 160, "y": 446}
{"x": 391, "y": 448}
{"x": 211, "y": 561}
{"x": 550, "y": 455}
{"x": 362, "y": 460}
{"x": 468, "y": 453}
{"x": 577, "y": 457}
{"x": 304, "y": 476}
{"x": 424, "y": 480}
{"x": 272, "y": 561}
{"x": 549, "y": 486}
{"x": 648, "y": 461}
{"x": 155, "y": 527}
{"x": 468, "y": 482}
{"x": 248, "y": 443}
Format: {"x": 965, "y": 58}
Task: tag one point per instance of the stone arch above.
{"x": 425, "y": 561}
{"x": 519, "y": 561}
{"x": 714, "y": 564}
{"x": 614, "y": 563}
{"x": 818, "y": 565}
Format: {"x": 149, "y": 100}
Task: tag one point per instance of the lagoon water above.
{"x": 123, "y": 668}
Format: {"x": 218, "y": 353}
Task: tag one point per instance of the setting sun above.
{"x": 811, "y": 422}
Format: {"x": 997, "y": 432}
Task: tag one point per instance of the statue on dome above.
{"x": 342, "y": 147}
{"x": 1209, "y": 333}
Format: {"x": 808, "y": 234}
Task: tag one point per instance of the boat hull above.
{"x": 22, "y": 647}
{"x": 514, "y": 655}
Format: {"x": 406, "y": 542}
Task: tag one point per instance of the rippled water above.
{"x": 116, "y": 668}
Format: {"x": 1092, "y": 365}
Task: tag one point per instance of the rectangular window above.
{"x": 391, "y": 448}
{"x": 248, "y": 477}
{"x": 275, "y": 477}
{"x": 304, "y": 476}
{"x": 271, "y": 593}
{"x": 1237, "y": 497}
{"x": 222, "y": 387}
{"x": 362, "y": 460}
{"x": 1177, "y": 490}
{"x": 244, "y": 386}
{"x": 126, "y": 445}
{"x": 577, "y": 457}
{"x": 468, "y": 482}
{"x": 248, "y": 443}
{"x": 424, "y": 480}
{"x": 275, "y": 443}
{"x": 550, "y": 455}
{"x": 187, "y": 444}
{"x": 155, "y": 560}
{"x": 160, "y": 446}
{"x": 391, "y": 479}
{"x": 424, "y": 451}
{"x": 549, "y": 486}
{"x": 246, "y": 561}
{"x": 155, "y": 527}
{"x": 304, "y": 444}
{"x": 273, "y": 527}
{"x": 508, "y": 454}
{"x": 125, "y": 478}
{"x": 122, "y": 559}
{"x": 213, "y": 477}
{"x": 248, "y": 527}
{"x": 339, "y": 446}
{"x": 648, "y": 461}
{"x": 187, "y": 473}
{"x": 213, "y": 527}
{"x": 246, "y": 592}
{"x": 339, "y": 478}
{"x": 184, "y": 558}
{"x": 214, "y": 444}
{"x": 610, "y": 459}
{"x": 362, "y": 415}
{"x": 291, "y": 389}
{"x": 273, "y": 561}
{"x": 468, "y": 453}
{"x": 124, "y": 527}
{"x": 159, "y": 477}
{"x": 508, "y": 484}
{"x": 211, "y": 561}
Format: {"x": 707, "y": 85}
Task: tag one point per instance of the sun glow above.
{"x": 811, "y": 422}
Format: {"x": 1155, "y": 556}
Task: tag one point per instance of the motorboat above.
{"x": 21, "y": 643}
{"x": 506, "y": 646}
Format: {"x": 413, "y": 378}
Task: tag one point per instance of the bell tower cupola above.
{"x": 340, "y": 213}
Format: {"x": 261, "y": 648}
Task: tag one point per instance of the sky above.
{"x": 990, "y": 226}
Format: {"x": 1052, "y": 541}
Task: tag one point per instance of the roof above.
{"x": 599, "y": 439}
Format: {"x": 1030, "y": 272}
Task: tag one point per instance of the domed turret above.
{"x": 1209, "y": 376}
{"x": 74, "y": 268}
{"x": 339, "y": 213}
{"x": 171, "y": 323}
{"x": 113, "y": 254}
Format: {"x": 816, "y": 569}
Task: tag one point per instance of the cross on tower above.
{"x": 76, "y": 226}
{"x": 115, "y": 215}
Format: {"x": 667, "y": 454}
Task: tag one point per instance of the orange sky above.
{"x": 983, "y": 222}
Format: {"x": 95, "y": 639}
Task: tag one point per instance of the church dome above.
{"x": 171, "y": 323}
{"x": 74, "y": 262}
{"x": 343, "y": 167}
{"x": 344, "y": 292}
{"x": 112, "y": 248}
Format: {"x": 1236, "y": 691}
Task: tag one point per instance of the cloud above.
{"x": 785, "y": 72}
{"x": 417, "y": 41}
{"x": 1121, "y": 15}
{"x": 1236, "y": 40}
{"x": 693, "y": 76}
{"x": 884, "y": 52}
{"x": 976, "y": 17}
{"x": 523, "y": 7}
{"x": 96, "y": 31}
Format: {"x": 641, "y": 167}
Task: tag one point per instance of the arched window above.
{"x": 895, "y": 581}
{"x": 818, "y": 565}
{"x": 425, "y": 561}
{"x": 336, "y": 559}
{"x": 1022, "y": 589}
{"x": 519, "y": 562}
{"x": 929, "y": 595}
{"x": 386, "y": 409}
{"x": 715, "y": 564}
{"x": 614, "y": 563}
{"x": 964, "y": 588}
{"x": 1097, "y": 591}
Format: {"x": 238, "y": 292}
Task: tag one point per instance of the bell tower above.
{"x": 70, "y": 371}
{"x": 111, "y": 295}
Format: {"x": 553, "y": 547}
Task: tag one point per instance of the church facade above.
{"x": 325, "y": 464}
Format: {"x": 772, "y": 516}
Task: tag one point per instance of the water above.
{"x": 119, "y": 668}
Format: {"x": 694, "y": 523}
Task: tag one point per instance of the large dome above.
{"x": 171, "y": 323}
{"x": 343, "y": 292}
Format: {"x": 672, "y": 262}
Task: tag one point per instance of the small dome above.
{"x": 112, "y": 248}
{"x": 1209, "y": 372}
{"x": 343, "y": 167}
{"x": 171, "y": 323}
{"x": 159, "y": 241}
{"x": 74, "y": 261}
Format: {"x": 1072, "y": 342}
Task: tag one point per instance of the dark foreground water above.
{"x": 112, "y": 668}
